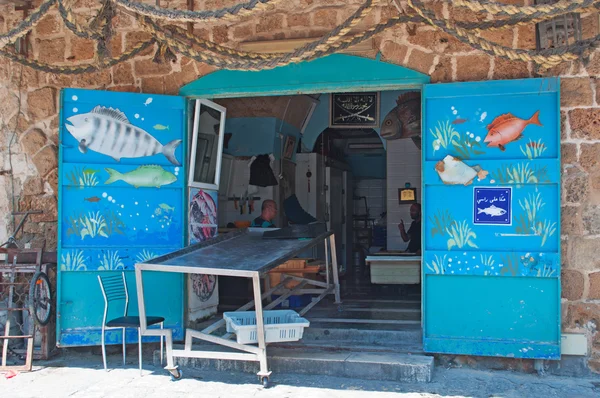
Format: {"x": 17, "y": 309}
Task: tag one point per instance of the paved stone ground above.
{"x": 81, "y": 375}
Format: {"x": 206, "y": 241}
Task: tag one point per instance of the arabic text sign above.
{"x": 492, "y": 206}
{"x": 354, "y": 109}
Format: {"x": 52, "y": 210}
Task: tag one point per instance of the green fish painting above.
{"x": 160, "y": 127}
{"x": 166, "y": 207}
{"x": 143, "y": 176}
{"x": 90, "y": 171}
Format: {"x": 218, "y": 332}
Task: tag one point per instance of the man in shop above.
{"x": 413, "y": 236}
{"x": 267, "y": 215}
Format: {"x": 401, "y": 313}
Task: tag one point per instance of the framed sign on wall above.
{"x": 359, "y": 110}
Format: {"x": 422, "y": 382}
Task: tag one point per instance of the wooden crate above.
{"x": 294, "y": 264}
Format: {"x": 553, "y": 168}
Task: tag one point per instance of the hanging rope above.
{"x": 507, "y": 9}
{"x": 545, "y": 58}
{"x": 26, "y": 25}
{"x": 228, "y": 14}
{"x": 174, "y": 38}
{"x": 79, "y": 69}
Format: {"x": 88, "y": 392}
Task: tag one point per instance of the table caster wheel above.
{"x": 176, "y": 374}
{"x": 264, "y": 381}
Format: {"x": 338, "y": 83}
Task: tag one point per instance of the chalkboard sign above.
{"x": 354, "y": 110}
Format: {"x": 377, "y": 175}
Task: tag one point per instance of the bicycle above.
{"x": 40, "y": 293}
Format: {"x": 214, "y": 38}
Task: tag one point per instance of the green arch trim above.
{"x": 334, "y": 73}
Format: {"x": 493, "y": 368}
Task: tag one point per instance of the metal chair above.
{"x": 114, "y": 288}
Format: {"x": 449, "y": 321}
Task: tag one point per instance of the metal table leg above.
{"x": 336, "y": 279}
{"x": 260, "y": 330}
{"x": 167, "y": 333}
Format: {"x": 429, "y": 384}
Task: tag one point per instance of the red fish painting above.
{"x": 93, "y": 199}
{"x": 460, "y": 121}
{"x": 508, "y": 128}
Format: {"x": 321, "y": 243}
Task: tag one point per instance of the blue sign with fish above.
{"x": 492, "y": 206}
{"x": 121, "y": 201}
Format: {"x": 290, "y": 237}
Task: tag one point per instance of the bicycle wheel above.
{"x": 40, "y": 299}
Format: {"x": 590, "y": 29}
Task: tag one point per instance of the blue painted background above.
{"x": 491, "y": 289}
{"x": 108, "y": 227}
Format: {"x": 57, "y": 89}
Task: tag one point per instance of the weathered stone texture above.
{"x": 590, "y": 157}
{"x": 585, "y": 123}
{"x": 472, "y": 67}
{"x": 147, "y": 67}
{"x": 46, "y": 160}
{"x": 82, "y": 49}
{"x": 42, "y": 103}
{"x": 52, "y": 179}
{"x": 568, "y": 153}
{"x": 570, "y": 221}
{"x": 48, "y": 25}
{"x": 584, "y": 254}
{"x": 575, "y": 185}
{"x": 507, "y": 69}
{"x": 270, "y": 23}
{"x": 123, "y": 74}
{"x": 576, "y": 91}
{"x": 591, "y": 219}
{"x": 52, "y": 51}
{"x": 572, "y": 284}
{"x": 326, "y": 18}
{"x": 420, "y": 61}
{"x": 393, "y": 52}
{"x": 33, "y": 186}
{"x": 33, "y": 140}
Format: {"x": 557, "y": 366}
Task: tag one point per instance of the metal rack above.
{"x": 20, "y": 330}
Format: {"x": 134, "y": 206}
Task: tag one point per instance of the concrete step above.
{"x": 352, "y": 364}
{"x": 334, "y": 332}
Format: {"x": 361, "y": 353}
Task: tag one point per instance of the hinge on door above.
{"x": 325, "y": 188}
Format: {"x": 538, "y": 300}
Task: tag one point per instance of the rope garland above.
{"x": 545, "y": 58}
{"x": 227, "y": 14}
{"x": 26, "y": 25}
{"x": 171, "y": 37}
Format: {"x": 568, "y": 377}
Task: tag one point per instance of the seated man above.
{"x": 414, "y": 232}
{"x": 267, "y": 215}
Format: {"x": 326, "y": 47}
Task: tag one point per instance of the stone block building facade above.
{"x": 30, "y": 99}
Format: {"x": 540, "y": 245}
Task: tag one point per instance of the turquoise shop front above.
{"x": 490, "y": 184}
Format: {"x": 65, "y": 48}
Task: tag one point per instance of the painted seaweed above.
{"x": 546, "y": 271}
{"x": 438, "y": 265}
{"x": 466, "y": 145}
{"x": 82, "y": 177}
{"x": 110, "y": 261}
{"x": 114, "y": 224}
{"x": 515, "y": 174}
{"x": 510, "y": 264}
{"x": 461, "y": 235}
{"x": 93, "y": 224}
{"x": 444, "y": 134}
{"x": 488, "y": 262}
{"x": 145, "y": 255}
{"x": 73, "y": 261}
{"x": 545, "y": 229}
{"x": 441, "y": 221}
{"x": 531, "y": 206}
{"x": 533, "y": 149}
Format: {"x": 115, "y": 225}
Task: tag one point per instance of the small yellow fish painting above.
{"x": 166, "y": 207}
{"x": 160, "y": 127}
{"x": 90, "y": 171}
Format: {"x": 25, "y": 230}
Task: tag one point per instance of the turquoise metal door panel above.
{"x": 121, "y": 201}
{"x": 491, "y": 218}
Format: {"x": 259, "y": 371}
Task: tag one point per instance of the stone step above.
{"x": 352, "y": 364}
{"x": 335, "y": 332}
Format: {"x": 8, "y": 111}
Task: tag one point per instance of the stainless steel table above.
{"x": 245, "y": 254}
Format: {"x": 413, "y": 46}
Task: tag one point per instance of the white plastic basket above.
{"x": 280, "y": 325}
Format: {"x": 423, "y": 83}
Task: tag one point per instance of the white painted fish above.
{"x": 483, "y": 116}
{"x": 492, "y": 211}
{"x": 148, "y": 101}
{"x": 108, "y": 131}
{"x": 453, "y": 171}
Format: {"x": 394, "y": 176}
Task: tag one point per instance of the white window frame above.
{"x": 192, "y": 159}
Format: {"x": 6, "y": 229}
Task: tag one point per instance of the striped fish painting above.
{"x": 108, "y": 131}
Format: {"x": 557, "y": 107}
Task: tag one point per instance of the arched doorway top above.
{"x": 334, "y": 73}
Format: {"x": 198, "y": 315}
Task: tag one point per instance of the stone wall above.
{"x": 29, "y": 118}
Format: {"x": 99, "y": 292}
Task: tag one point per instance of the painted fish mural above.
{"x": 160, "y": 127}
{"x": 92, "y": 199}
{"x": 453, "y": 171}
{"x": 404, "y": 120}
{"x": 203, "y": 216}
{"x": 492, "y": 211}
{"x": 143, "y": 176}
{"x": 508, "y": 128}
{"x": 460, "y": 121}
{"x": 108, "y": 131}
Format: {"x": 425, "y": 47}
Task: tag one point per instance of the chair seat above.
{"x": 133, "y": 321}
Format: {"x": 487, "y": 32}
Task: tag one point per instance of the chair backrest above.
{"x": 114, "y": 288}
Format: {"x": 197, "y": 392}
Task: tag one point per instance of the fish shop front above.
{"x": 444, "y": 199}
